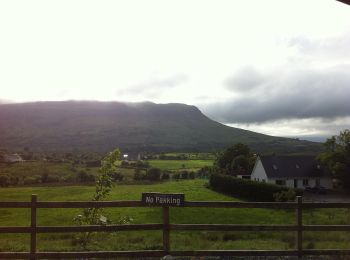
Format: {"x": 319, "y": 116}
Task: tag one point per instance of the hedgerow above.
{"x": 247, "y": 189}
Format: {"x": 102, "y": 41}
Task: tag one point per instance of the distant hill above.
{"x": 133, "y": 127}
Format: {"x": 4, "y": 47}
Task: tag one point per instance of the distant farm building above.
{"x": 12, "y": 158}
{"x": 291, "y": 171}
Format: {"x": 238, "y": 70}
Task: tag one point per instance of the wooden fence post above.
{"x": 33, "y": 228}
{"x": 166, "y": 230}
{"x": 299, "y": 220}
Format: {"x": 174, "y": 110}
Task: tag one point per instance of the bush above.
{"x": 47, "y": 178}
{"x": 67, "y": 178}
{"x": 184, "y": 175}
{"x": 138, "y": 175}
{"x": 246, "y": 189}
{"x": 176, "y": 176}
{"x": 116, "y": 176}
{"x": 285, "y": 195}
{"x": 153, "y": 174}
{"x": 4, "y": 180}
{"x": 93, "y": 164}
{"x": 206, "y": 171}
{"x": 165, "y": 176}
{"x": 32, "y": 179}
{"x": 192, "y": 175}
{"x": 82, "y": 176}
{"x": 124, "y": 164}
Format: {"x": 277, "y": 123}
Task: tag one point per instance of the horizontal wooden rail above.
{"x": 159, "y": 226}
{"x": 161, "y": 253}
{"x": 233, "y": 227}
{"x": 192, "y": 204}
{"x": 166, "y": 227}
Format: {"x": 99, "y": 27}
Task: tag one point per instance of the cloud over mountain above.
{"x": 298, "y": 94}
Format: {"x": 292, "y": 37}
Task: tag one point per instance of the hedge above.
{"x": 245, "y": 189}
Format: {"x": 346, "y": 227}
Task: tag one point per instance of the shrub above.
{"x": 116, "y": 176}
{"x": 49, "y": 178}
{"x": 285, "y": 195}
{"x": 138, "y": 175}
{"x": 82, "y": 176}
{"x": 207, "y": 171}
{"x": 192, "y": 175}
{"x": 96, "y": 163}
{"x": 153, "y": 174}
{"x": 176, "y": 176}
{"x": 4, "y": 180}
{"x": 165, "y": 176}
{"x": 246, "y": 189}
{"x": 67, "y": 178}
{"x": 184, "y": 175}
{"x": 142, "y": 164}
{"x": 124, "y": 164}
{"x": 32, "y": 179}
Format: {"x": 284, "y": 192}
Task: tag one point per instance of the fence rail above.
{"x": 167, "y": 227}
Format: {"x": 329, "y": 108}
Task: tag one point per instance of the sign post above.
{"x": 163, "y": 199}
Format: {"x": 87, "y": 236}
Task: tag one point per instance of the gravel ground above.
{"x": 331, "y": 196}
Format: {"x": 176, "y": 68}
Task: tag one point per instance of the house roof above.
{"x": 293, "y": 167}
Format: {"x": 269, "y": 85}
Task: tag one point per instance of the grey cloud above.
{"x": 245, "y": 79}
{"x": 299, "y": 94}
{"x": 154, "y": 87}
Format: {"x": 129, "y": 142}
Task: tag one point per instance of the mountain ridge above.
{"x": 142, "y": 127}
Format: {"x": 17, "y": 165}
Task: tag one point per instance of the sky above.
{"x": 279, "y": 67}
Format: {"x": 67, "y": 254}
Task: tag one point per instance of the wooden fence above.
{"x": 166, "y": 226}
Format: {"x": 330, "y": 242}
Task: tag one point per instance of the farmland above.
{"x": 180, "y": 164}
{"x": 194, "y": 190}
{"x": 69, "y": 172}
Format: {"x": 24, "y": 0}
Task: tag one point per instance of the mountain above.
{"x": 133, "y": 127}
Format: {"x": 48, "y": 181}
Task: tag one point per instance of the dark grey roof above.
{"x": 293, "y": 167}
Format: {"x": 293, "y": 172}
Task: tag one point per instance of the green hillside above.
{"x": 134, "y": 127}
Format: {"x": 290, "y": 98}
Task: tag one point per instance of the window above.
{"x": 305, "y": 182}
{"x": 274, "y": 166}
{"x": 280, "y": 182}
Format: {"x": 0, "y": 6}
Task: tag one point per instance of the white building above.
{"x": 12, "y": 158}
{"x": 291, "y": 171}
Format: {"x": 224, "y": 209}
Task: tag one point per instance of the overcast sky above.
{"x": 278, "y": 67}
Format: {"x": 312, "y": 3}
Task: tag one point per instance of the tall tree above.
{"x": 237, "y": 159}
{"x": 337, "y": 158}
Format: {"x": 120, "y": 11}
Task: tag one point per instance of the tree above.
{"x": 237, "y": 159}
{"x": 103, "y": 186}
{"x": 337, "y": 158}
{"x": 153, "y": 174}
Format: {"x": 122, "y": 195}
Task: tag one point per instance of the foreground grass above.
{"x": 194, "y": 190}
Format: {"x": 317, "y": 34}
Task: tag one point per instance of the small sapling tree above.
{"x": 104, "y": 184}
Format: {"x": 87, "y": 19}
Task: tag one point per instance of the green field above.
{"x": 194, "y": 190}
{"x": 180, "y": 164}
{"x": 65, "y": 173}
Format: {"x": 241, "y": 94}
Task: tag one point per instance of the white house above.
{"x": 291, "y": 171}
{"x": 12, "y": 158}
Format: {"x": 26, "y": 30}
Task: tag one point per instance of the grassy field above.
{"x": 66, "y": 172}
{"x": 180, "y": 164}
{"x": 194, "y": 190}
